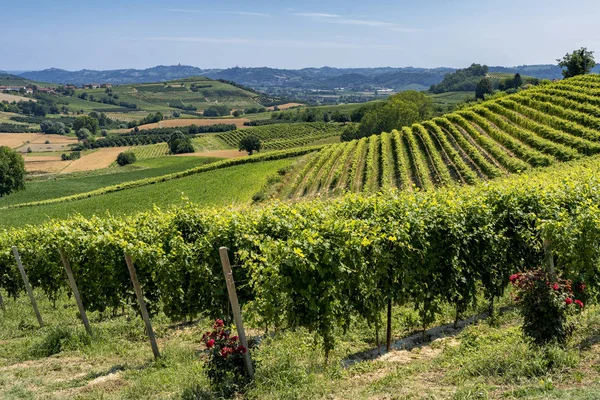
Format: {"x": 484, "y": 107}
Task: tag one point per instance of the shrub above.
{"x": 545, "y": 304}
{"x": 225, "y": 367}
{"x": 250, "y": 143}
{"x": 126, "y": 158}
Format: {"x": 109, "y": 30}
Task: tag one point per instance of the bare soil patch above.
{"x": 12, "y": 97}
{"x": 218, "y": 153}
{"x": 15, "y": 140}
{"x": 286, "y": 106}
{"x": 171, "y": 123}
{"x": 102, "y": 158}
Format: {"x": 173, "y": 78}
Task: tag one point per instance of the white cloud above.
{"x": 251, "y": 14}
{"x": 247, "y": 13}
{"x": 338, "y": 19}
{"x": 317, "y": 15}
{"x": 299, "y": 44}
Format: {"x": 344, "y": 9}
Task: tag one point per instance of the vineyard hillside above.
{"x": 284, "y": 136}
{"x": 533, "y": 128}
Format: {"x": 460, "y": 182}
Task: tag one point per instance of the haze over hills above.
{"x": 325, "y": 78}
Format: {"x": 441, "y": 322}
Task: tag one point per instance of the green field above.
{"x": 228, "y": 186}
{"x": 488, "y": 359}
{"x": 61, "y": 186}
{"x": 167, "y": 96}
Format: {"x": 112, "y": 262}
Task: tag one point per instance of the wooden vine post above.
{"x": 27, "y": 286}
{"x": 75, "y": 290}
{"x": 388, "y": 339}
{"x": 549, "y": 259}
{"x": 235, "y": 307}
{"x": 140, "y": 297}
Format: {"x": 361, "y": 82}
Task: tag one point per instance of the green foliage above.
{"x": 225, "y": 367}
{"x": 462, "y": 80}
{"x": 283, "y": 136}
{"x": 580, "y": 62}
{"x": 86, "y": 122}
{"x": 180, "y": 143}
{"x": 402, "y": 109}
{"x": 321, "y": 264}
{"x": 483, "y": 87}
{"x": 546, "y": 302}
{"x": 51, "y": 127}
{"x": 250, "y": 144}
{"x": 57, "y": 339}
{"x": 217, "y": 111}
{"x": 126, "y": 158}
{"x": 12, "y": 171}
{"x": 74, "y": 155}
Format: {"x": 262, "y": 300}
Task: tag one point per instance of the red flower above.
{"x": 241, "y": 349}
{"x": 513, "y": 278}
{"x": 580, "y": 287}
{"x": 569, "y": 301}
{"x": 579, "y": 303}
{"x": 210, "y": 343}
{"x": 555, "y": 286}
{"x": 225, "y": 351}
{"x": 219, "y": 323}
{"x": 234, "y": 338}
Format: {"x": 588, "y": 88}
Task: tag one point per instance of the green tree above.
{"x": 125, "y": 158}
{"x": 180, "y": 143}
{"x": 250, "y": 143}
{"x": 87, "y": 122}
{"x": 83, "y": 134}
{"x": 12, "y": 171}
{"x": 399, "y": 110}
{"x": 517, "y": 81}
{"x": 580, "y": 62}
{"x": 484, "y": 87}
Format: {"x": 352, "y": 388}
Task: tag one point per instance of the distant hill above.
{"x": 325, "y": 78}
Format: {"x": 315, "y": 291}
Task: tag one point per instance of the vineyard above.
{"x": 318, "y": 264}
{"x": 284, "y": 136}
{"x": 151, "y": 151}
{"x": 535, "y": 128}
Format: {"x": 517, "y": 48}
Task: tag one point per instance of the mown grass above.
{"x": 57, "y": 186}
{"x": 232, "y": 185}
{"x": 488, "y": 360}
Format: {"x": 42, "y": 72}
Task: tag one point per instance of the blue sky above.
{"x": 113, "y": 34}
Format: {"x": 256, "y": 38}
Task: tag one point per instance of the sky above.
{"x": 113, "y": 34}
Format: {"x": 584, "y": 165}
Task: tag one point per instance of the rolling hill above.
{"x": 534, "y": 128}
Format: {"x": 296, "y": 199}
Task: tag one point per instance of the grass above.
{"x": 222, "y": 187}
{"x": 61, "y": 186}
{"x": 487, "y": 360}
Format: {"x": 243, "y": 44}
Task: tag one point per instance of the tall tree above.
{"x": 12, "y": 171}
{"x": 580, "y": 62}
{"x": 484, "y": 87}
{"x": 250, "y": 143}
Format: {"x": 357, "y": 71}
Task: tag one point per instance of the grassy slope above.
{"x": 153, "y": 97}
{"x": 487, "y": 360}
{"x": 43, "y": 189}
{"x": 220, "y": 187}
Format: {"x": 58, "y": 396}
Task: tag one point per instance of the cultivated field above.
{"x": 534, "y": 128}
{"x": 217, "y": 153}
{"x": 13, "y": 97}
{"x": 175, "y": 122}
{"x": 16, "y": 140}
{"x": 98, "y": 159}
{"x": 286, "y": 106}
